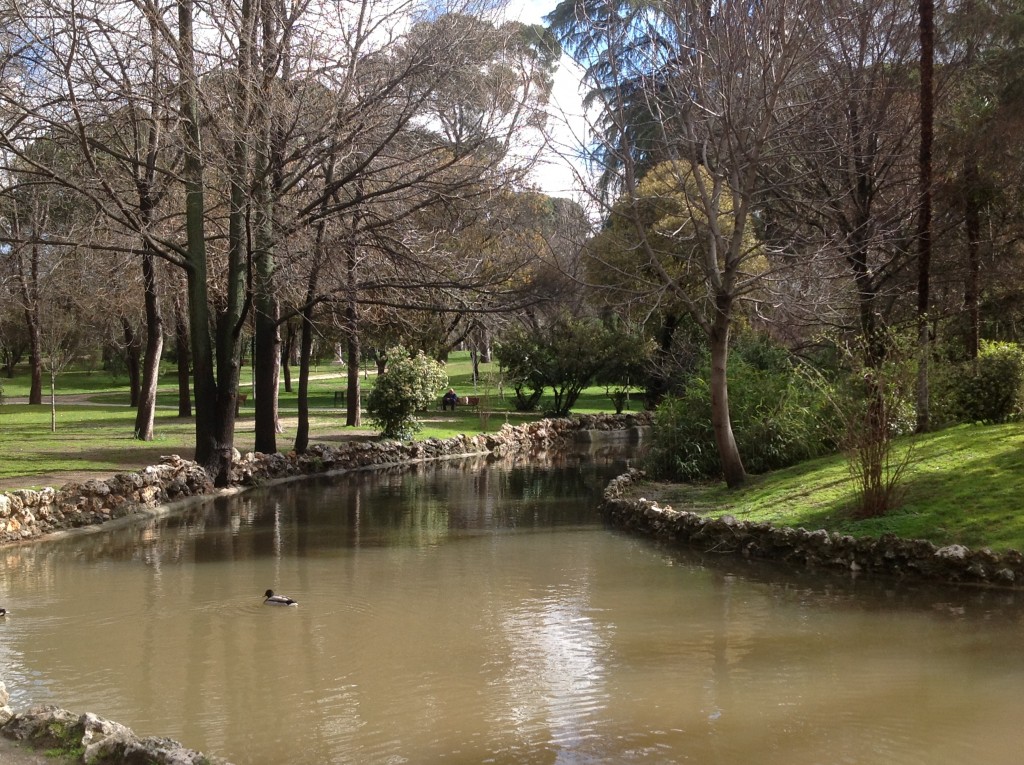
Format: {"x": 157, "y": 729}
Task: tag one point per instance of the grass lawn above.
{"x": 95, "y": 423}
{"x": 964, "y": 485}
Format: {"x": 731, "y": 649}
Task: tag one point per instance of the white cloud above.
{"x": 560, "y": 167}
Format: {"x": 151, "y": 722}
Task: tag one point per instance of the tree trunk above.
{"x": 131, "y": 360}
{"x": 729, "y": 454}
{"x": 209, "y": 450}
{"x": 353, "y": 404}
{"x": 28, "y": 286}
{"x": 924, "y": 225}
{"x": 353, "y": 358}
{"x": 269, "y": 175}
{"x": 35, "y": 356}
{"x": 972, "y": 225}
{"x": 146, "y": 413}
{"x": 184, "y": 355}
{"x": 305, "y": 354}
{"x": 53, "y": 401}
{"x": 267, "y": 353}
{"x": 287, "y": 348}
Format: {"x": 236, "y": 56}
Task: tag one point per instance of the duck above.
{"x": 270, "y": 599}
{"x": 3, "y": 612}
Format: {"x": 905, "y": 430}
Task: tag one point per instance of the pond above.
{"x": 475, "y": 612}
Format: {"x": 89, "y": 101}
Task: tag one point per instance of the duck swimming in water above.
{"x": 270, "y": 599}
{"x": 3, "y": 612}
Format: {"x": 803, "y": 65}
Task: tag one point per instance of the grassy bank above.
{"x": 95, "y": 423}
{"x": 964, "y": 486}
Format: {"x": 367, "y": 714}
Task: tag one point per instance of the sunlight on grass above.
{"x": 963, "y": 485}
{"x": 95, "y": 432}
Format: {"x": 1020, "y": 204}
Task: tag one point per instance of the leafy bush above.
{"x": 409, "y": 384}
{"x": 779, "y": 418}
{"x": 567, "y": 356}
{"x": 992, "y": 389}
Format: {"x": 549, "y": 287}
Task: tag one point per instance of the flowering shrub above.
{"x": 408, "y": 385}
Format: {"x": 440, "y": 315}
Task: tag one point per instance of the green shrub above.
{"x": 992, "y": 389}
{"x": 409, "y": 384}
{"x": 779, "y": 418}
{"x": 568, "y": 355}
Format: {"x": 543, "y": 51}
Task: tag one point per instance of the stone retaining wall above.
{"x": 26, "y": 514}
{"x": 92, "y": 739}
{"x": 887, "y": 555}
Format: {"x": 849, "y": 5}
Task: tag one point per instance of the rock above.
{"x": 26, "y": 514}
{"x": 28, "y": 497}
{"x": 952, "y": 552}
{"x": 45, "y": 727}
{"x": 103, "y": 741}
{"x": 888, "y": 554}
{"x": 96, "y": 729}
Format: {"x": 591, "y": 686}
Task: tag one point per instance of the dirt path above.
{"x": 56, "y": 480}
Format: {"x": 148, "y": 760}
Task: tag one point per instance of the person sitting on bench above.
{"x": 449, "y": 400}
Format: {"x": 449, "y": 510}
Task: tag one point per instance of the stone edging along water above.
{"x": 27, "y": 514}
{"x": 887, "y": 555}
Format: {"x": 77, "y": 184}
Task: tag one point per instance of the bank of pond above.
{"x": 477, "y": 608}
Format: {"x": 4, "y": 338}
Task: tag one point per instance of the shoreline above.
{"x": 885, "y": 556}
{"x": 30, "y": 516}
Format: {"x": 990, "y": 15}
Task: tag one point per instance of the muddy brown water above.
{"x": 481, "y": 613}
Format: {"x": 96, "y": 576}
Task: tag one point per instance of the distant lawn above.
{"x": 964, "y": 485}
{"x": 98, "y": 436}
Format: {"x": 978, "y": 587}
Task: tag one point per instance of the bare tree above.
{"x": 926, "y": 21}
{"x": 203, "y": 134}
{"x": 850, "y": 193}
{"x": 714, "y": 95}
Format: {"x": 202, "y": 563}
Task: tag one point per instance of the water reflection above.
{"x": 480, "y": 613}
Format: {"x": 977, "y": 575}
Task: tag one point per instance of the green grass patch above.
{"x": 964, "y": 485}
{"x": 94, "y": 434}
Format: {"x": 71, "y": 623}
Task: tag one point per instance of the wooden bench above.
{"x": 473, "y": 402}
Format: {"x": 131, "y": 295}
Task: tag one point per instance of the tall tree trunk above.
{"x": 209, "y": 450}
{"x": 267, "y": 351}
{"x": 35, "y": 355}
{"x": 53, "y": 400}
{"x": 269, "y": 178}
{"x": 184, "y": 354}
{"x": 305, "y": 356}
{"x": 148, "y": 201}
{"x": 230, "y": 318}
{"x": 972, "y": 225}
{"x": 132, "y": 360}
{"x": 287, "y": 349}
{"x": 926, "y": 12}
{"x": 353, "y": 358}
{"x": 353, "y": 405}
{"x": 146, "y": 414}
{"x": 28, "y": 287}
{"x": 725, "y": 441}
